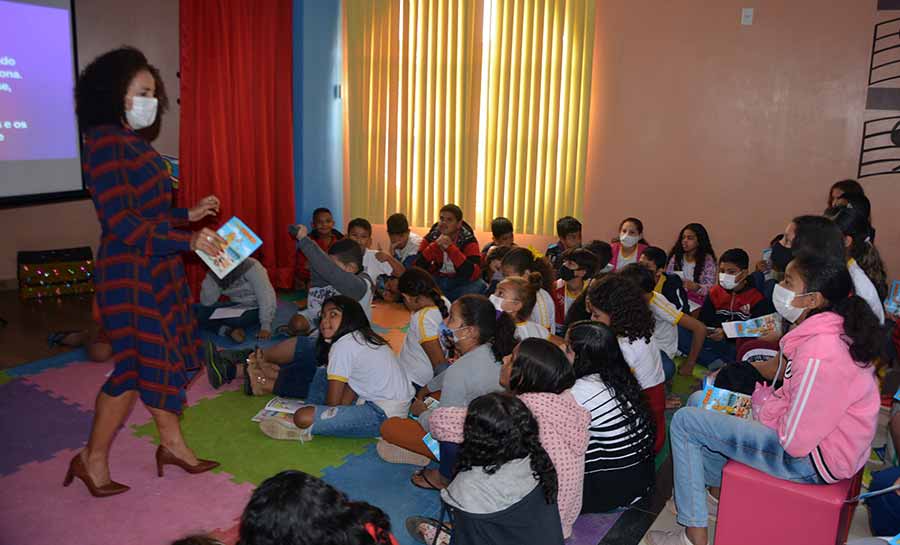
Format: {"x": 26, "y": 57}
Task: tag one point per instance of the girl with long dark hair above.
{"x": 692, "y": 257}
{"x": 422, "y": 356}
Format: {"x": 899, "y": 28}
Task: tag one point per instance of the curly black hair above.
{"x": 704, "y": 248}
{"x": 500, "y": 428}
{"x": 353, "y": 319}
{"x": 297, "y": 508}
{"x": 102, "y": 86}
{"x": 597, "y": 352}
{"x": 623, "y": 301}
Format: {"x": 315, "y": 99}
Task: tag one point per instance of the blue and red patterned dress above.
{"x": 142, "y": 292}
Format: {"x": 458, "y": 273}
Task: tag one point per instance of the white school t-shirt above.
{"x": 544, "y": 312}
{"x": 424, "y": 325}
{"x": 372, "y": 372}
{"x": 375, "y": 268}
{"x": 863, "y": 287}
{"x": 529, "y": 329}
{"x": 665, "y": 333}
{"x": 644, "y": 360}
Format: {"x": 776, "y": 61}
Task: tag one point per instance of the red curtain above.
{"x": 237, "y": 123}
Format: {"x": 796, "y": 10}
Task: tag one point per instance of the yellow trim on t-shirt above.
{"x": 851, "y": 262}
{"x": 676, "y": 316}
{"x": 660, "y": 283}
{"x": 338, "y": 378}
{"x": 422, "y": 312}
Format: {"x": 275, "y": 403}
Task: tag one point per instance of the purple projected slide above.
{"x": 37, "y": 105}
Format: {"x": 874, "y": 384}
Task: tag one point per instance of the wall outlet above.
{"x": 747, "y": 16}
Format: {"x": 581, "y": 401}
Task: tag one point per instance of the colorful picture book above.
{"x": 265, "y": 413}
{"x": 892, "y": 303}
{"x": 280, "y": 407}
{"x": 433, "y": 446}
{"x": 241, "y": 242}
{"x": 755, "y": 327}
{"x": 726, "y": 401}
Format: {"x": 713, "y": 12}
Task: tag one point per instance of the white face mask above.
{"x": 142, "y": 113}
{"x": 728, "y": 281}
{"x": 629, "y": 241}
{"x": 498, "y": 302}
{"x": 781, "y": 299}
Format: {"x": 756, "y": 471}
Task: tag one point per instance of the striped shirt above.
{"x": 613, "y": 443}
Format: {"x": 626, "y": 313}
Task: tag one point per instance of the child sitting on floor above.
{"x": 377, "y": 264}
{"x": 668, "y": 284}
{"x": 539, "y": 374}
{"x": 502, "y": 232}
{"x": 578, "y": 268}
{"x": 516, "y": 296}
{"x": 816, "y": 429}
{"x": 297, "y": 508}
{"x": 619, "y": 461}
{"x": 568, "y": 229}
{"x": 603, "y": 251}
{"x": 247, "y": 286}
{"x": 627, "y": 249}
{"x": 692, "y": 257}
{"x": 404, "y": 243}
{"x": 361, "y": 386}
{"x": 522, "y": 262}
{"x": 732, "y": 299}
{"x": 422, "y": 356}
{"x": 505, "y": 491}
{"x": 616, "y": 302}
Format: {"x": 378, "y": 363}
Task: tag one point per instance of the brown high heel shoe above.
{"x": 164, "y": 456}
{"x": 78, "y": 469}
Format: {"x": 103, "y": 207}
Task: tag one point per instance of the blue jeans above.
{"x": 294, "y": 379}
{"x": 702, "y": 441}
{"x": 343, "y": 420}
{"x": 884, "y": 510}
{"x": 668, "y": 365}
{"x": 712, "y": 351}
{"x": 454, "y": 288}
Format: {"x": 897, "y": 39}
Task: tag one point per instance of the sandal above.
{"x": 441, "y": 533}
{"x": 431, "y": 485}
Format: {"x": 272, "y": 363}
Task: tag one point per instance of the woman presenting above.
{"x": 142, "y": 294}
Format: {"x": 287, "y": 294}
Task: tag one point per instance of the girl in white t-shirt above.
{"x": 522, "y": 262}
{"x": 361, "y": 386}
{"x": 618, "y": 302}
{"x": 422, "y": 356}
{"x": 516, "y": 296}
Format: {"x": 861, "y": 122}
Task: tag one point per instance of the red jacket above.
{"x": 464, "y": 254}
{"x": 722, "y": 305}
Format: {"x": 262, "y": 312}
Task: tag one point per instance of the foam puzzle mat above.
{"x": 46, "y": 409}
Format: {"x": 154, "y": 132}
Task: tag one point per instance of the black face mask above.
{"x": 781, "y": 256}
{"x": 566, "y": 274}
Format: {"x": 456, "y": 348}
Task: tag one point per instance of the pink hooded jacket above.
{"x": 563, "y": 428}
{"x": 828, "y": 407}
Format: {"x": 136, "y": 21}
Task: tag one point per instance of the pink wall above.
{"x": 697, "y": 118}
{"x": 101, "y": 25}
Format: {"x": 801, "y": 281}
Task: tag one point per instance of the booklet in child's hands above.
{"x": 241, "y": 242}
{"x": 754, "y": 327}
{"x": 892, "y": 303}
{"x": 726, "y": 401}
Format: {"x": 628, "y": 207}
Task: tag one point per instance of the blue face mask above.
{"x": 447, "y": 336}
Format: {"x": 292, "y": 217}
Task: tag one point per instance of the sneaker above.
{"x": 667, "y": 537}
{"x": 398, "y": 455}
{"x": 221, "y": 367}
{"x": 712, "y": 506}
{"x": 284, "y": 429}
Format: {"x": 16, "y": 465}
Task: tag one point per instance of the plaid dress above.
{"x": 142, "y": 292}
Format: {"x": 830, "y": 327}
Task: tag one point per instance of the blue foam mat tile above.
{"x": 55, "y": 361}
{"x": 368, "y": 478}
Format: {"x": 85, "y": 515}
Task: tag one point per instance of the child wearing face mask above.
{"x": 578, "y": 268}
{"x": 731, "y": 300}
{"x": 627, "y": 249}
{"x": 817, "y": 428}
{"x": 516, "y": 296}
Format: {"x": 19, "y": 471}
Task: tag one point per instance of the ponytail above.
{"x": 521, "y": 259}
{"x": 438, "y": 298}
{"x": 830, "y": 277}
{"x": 854, "y": 223}
{"x": 496, "y": 328}
{"x": 528, "y": 288}
{"x": 869, "y": 259}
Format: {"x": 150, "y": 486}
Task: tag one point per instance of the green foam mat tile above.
{"x": 220, "y": 429}
{"x": 4, "y": 378}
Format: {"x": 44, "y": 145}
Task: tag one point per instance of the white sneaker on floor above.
{"x": 712, "y": 506}
{"x": 394, "y": 454}
{"x": 281, "y": 428}
{"x": 667, "y": 537}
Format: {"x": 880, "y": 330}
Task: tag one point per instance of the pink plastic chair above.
{"x": 758, "y": 508}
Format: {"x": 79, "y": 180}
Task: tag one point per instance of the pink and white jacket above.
{"x": 828, "y": 407}
{"x": 563, "y": 429}
{"x": 616, "y": 248}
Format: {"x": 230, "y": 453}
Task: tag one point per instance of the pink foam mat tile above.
{"x": 36, "y": 509}
{"x": 80, "y": 382}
